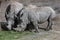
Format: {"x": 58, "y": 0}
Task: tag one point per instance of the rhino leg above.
{"x": 20, "y": 27}
{"x": 36, "y": 26}
{"x": 49, "y": 26}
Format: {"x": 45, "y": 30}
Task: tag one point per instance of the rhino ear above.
{"x": 6, "y": 15}
{"x": 8, "y": 9}
{"x": 21, "y": 15}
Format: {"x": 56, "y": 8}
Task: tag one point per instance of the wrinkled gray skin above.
{"x": 12, "y": 11}
{"x": 37, "y": 16}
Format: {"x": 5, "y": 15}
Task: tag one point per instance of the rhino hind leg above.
{"x": 49, "y": 26}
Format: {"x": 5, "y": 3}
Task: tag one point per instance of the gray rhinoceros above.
{"x": 36, "y": 16}
{"x": 12, "y": 12}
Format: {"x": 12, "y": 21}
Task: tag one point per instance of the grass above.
{"x": 11, "y": 35}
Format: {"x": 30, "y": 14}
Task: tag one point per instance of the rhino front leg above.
{"x": 36, "y": 26}
{"x": 20, "y": 28}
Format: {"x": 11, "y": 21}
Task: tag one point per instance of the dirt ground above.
{"x": 53, "y": 34}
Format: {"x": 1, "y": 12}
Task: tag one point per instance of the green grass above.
{"x": 11, "y": 35}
